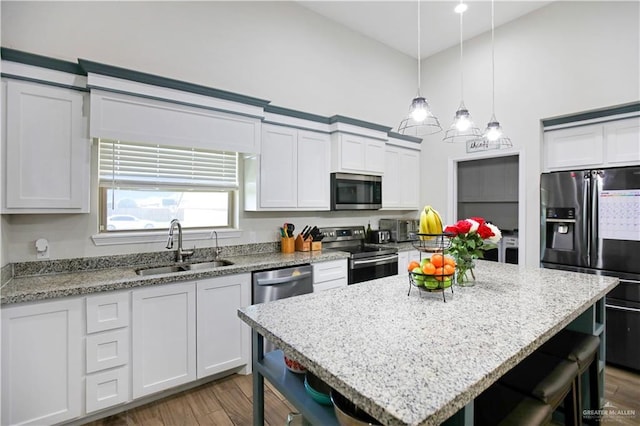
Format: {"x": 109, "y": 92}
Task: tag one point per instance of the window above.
{"x": 145, "y": 186}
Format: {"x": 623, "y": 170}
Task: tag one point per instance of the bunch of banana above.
{"x": 430, "y": 222}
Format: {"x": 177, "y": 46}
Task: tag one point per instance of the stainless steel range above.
{"x": 367, "y": 261}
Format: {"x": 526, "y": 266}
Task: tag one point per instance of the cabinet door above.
{"x": 391, "y": 180}
{"x": 574, "y": 147}
{"x": 223, "y": 339}
{"x": 622, "y": 142}
{"x": 352, "y": 153}
{"x": 41, "y": 362}
{"x": 409, "y": 178}
{"x": 278, "y": 167}
{"x": 374, "y": 157}
{"x": 314, "y": 164}
{"x": 47, "y": 152}
{"x": 164, "y": 337}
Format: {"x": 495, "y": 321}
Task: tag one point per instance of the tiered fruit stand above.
{"x": 431, "y": 283}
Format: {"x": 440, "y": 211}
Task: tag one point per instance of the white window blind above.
{"x": 146, "y": 165}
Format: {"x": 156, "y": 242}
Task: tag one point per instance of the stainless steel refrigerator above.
{"x": 590, "y": 222}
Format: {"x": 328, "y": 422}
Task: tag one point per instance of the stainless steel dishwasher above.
{"x": 279, "y": 284}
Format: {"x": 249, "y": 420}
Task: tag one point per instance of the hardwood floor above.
{"x": 227, "y": 402}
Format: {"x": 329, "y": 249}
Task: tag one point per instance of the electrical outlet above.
{"x": 42, "y": 248}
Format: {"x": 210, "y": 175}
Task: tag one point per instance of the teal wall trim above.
{"x": 289, "y": 126}
{"x": 622, "y": 109}
{"x": 359, "y": 123}
{"x": 48, "y": 83}
{"x": 26, "y": 58}
{"x": 170, "y": 83}
{"x": 407, "y": 138}
{"x": 296, "y": 114}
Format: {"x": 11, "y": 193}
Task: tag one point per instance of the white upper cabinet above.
{"x": 609, "y": 144}
{"x": 401, "y": 180}
{"x": 291, "y": 173}
{"x": 47, "y": 153}
{"x": 357, "y": 154}
{"x": 622, "y": 142}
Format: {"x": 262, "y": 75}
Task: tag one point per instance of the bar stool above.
{"x": 500, "y": 405}
{"x": 549, "y": 379}
{"x": 583, "y": 350}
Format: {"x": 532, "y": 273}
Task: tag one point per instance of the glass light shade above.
{"x": 419, "y": 109}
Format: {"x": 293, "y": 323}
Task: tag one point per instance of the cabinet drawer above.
{"x": 328, "y": 271}
{"x": 107, "y": 389}
{"x": 328, "y": 285}
{"x": 107, "y": 350}
{"x": 107, "y": 312}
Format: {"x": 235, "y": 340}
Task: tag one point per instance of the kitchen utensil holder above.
{"x": 303, "y": 245}
{"x": 287, "y": 244}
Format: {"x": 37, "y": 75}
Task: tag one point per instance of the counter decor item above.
{"x": 434, "y": 273}
{"x": 471, "y": 237}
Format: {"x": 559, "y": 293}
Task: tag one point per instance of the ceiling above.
{"x": 395, "y": 23}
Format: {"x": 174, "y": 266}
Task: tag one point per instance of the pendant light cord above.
{"x": 461, "y": 72}
{"x": 419, "y": 70}
{"x": 493, "y": 65}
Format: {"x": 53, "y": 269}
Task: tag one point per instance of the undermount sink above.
{"x": 196, "y": 266}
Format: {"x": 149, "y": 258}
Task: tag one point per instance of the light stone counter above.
{"x": 414, "y": 359}
{"x": 49, "y": 286}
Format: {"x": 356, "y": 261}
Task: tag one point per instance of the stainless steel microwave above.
{"x": 355, "y": 192}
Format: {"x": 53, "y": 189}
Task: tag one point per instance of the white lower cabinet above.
{"x": 41, "y": 362}
{"x": 107, "y": 388}
{"x": 224, "y": 341}
{"x": 164, "y": 337}
{"x": 404, "y": 257}
{"x": 328, "y": 275}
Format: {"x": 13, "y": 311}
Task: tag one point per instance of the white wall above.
{"x": 565, "y": 58}
{"x": 277, "y": 51}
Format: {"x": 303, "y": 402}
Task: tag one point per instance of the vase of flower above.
{"x": 469, "y": 239}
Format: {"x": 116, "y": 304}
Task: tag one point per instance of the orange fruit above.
{"x": 439, "y": 274}
{"x": 437, "y": 260}
{"x": 429, "y": 269}
{"x": 412, "y": 265}
{"x": 448, "y": 269}
{"x": 449, "y": 261}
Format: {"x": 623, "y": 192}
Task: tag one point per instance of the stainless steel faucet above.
{"x": 180, "y": 253}
{"x": 218, "y": 249}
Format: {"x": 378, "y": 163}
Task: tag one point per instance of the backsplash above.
{"x": 117, "y": 261}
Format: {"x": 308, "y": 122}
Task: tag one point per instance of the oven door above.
{"x": 370, "y": 268}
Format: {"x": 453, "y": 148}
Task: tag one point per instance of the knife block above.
{"x": 303, "y": 245}
{"x": 316, "y": 245}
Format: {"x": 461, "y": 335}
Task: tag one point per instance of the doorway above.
{"x": 489, "y": 188}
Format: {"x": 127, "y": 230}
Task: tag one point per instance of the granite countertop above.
{"x": 414, "y": 359}
{"x": 49, "y": 286}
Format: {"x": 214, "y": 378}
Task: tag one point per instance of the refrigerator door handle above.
{"x": 594, "y": 254}
{"x": 585, "y": 227}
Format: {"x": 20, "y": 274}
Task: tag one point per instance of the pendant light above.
{"x": 462, "y": 129}
{"x": 421, "y": 121}
{"x": 493, "y": 135}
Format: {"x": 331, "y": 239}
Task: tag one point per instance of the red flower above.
{"x": 484, "y": 231}
{"x": 460, "y": 227}
{"x": 478, "y": 219}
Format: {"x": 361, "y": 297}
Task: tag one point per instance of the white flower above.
{"x": 474, "y": 225}
{"x": 497, "y": 235}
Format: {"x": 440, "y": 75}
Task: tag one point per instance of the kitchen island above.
{"x": 413, "y": 359}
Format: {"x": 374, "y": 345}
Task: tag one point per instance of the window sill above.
{"x": 133, "y": 237}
